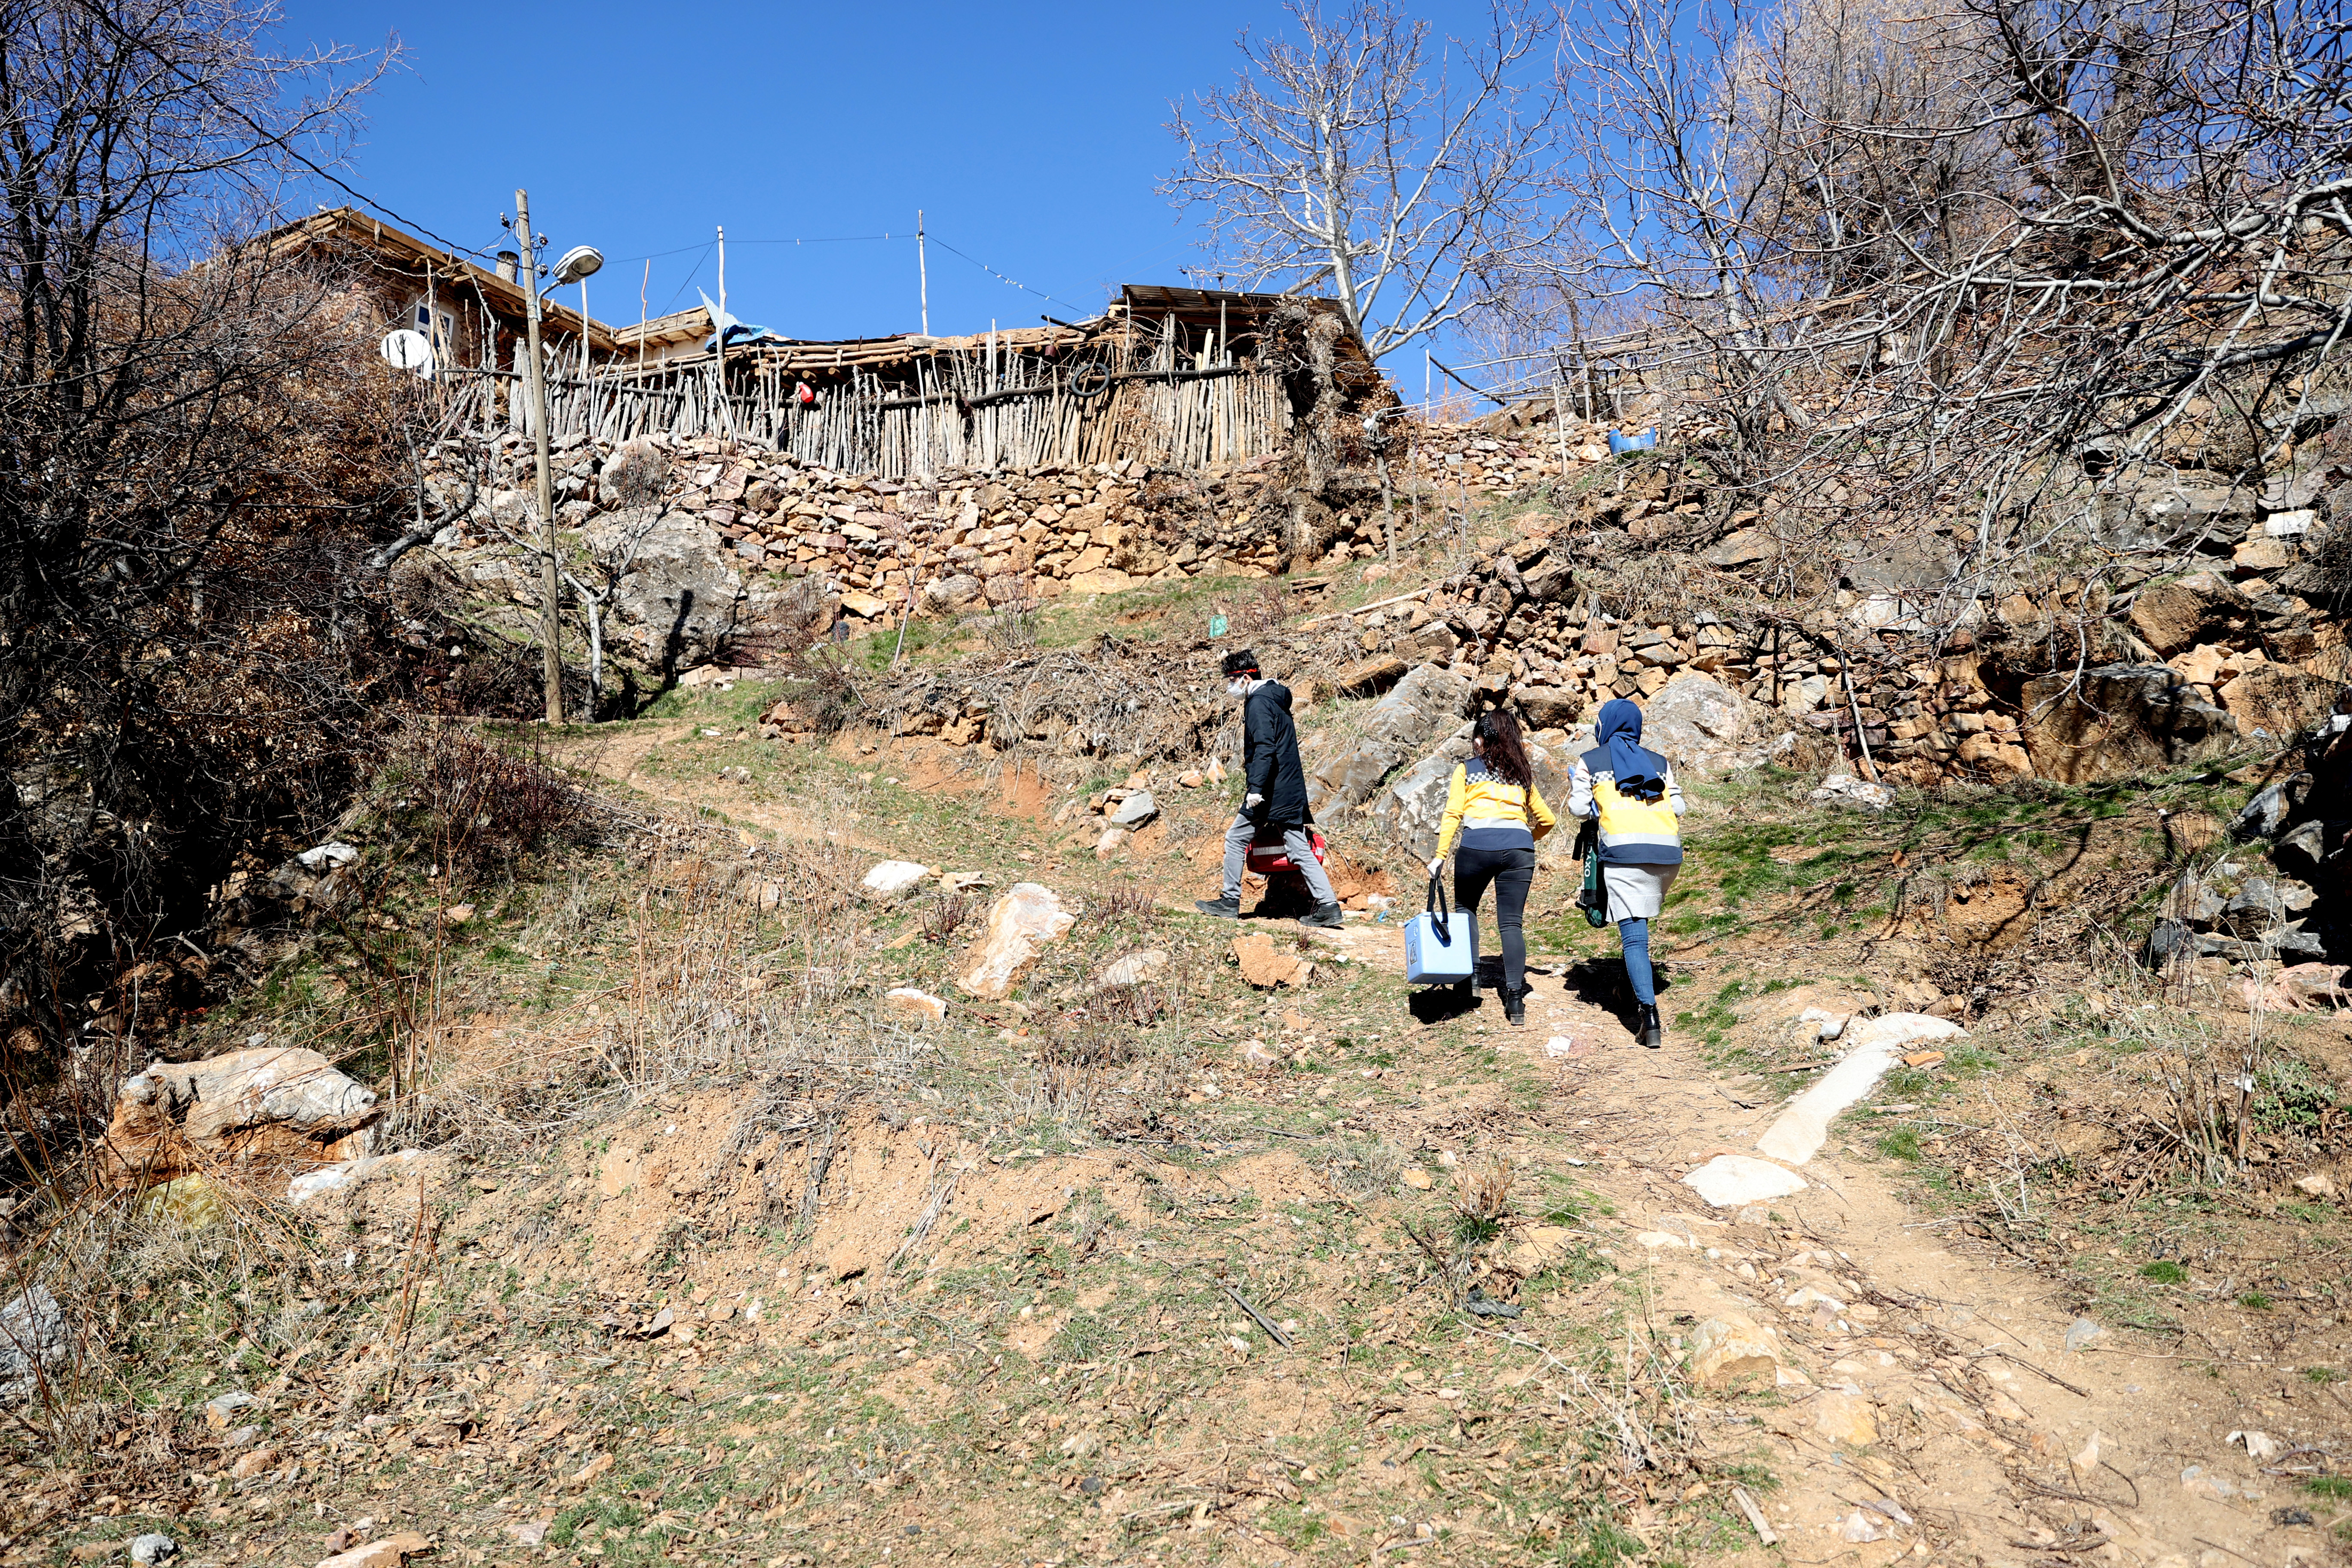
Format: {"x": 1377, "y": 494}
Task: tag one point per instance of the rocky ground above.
{"x": 770, "y": 1204}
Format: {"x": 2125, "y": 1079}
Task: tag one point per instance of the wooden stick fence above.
{"x": 956, "y": 409}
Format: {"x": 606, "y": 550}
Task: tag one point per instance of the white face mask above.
{"x": 1238, "y": 686}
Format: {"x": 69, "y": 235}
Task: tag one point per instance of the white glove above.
{"x": 1436, "y": 864}
{"x": 1252, "y": 802}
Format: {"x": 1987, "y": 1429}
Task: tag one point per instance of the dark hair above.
{"x": 1506, "y": 752}
{"x": 1241, "y": 661}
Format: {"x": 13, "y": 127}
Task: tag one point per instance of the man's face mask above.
{"x": 1238, "y": 686}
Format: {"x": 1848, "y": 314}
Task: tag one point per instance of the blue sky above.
{"x": 1032, "y": 136}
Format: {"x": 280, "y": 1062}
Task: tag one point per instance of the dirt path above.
{"x": 1928, "y": 1404}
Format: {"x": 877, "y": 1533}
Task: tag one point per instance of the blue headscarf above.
{"x": 1633, "y": 770}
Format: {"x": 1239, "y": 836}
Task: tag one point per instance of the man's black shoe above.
{"x": 1324, "y": 915}
{"x": 1223, "y": 908}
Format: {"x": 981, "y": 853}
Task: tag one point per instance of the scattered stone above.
{"x": 33, "y": 1339}
{"x": 1859, "y": 1529}
{"x": 2279, "y": 700}
{"x": 1845, "y": 1419}
{"x": 1257, "y": 1057}
{"x": 1135, "y": 810}
{"x": 1028, "y": 916}
{"x": 1419, "y": 1179}
{"x": 264, "y": 1105}
{"x": 1370, "y": 677}
{"x": 1266, "y": 966}
{"x": 2262, "y": 817}
{"x": 151, "y": 1549}
{"x": 1728, "y": 1181}
{"x": 2081, "y": 1332}
{"x": 309, "y": 1184}
{"x": 1845, "y": 789}
{"x": 389, "y": 1553}
{"x": 1135, "y": 968}
{"x": 1191, "y": 778}
{"x": 1111, "y": 841}
{"x": 2259, "y": 1446}
{"x": 1732, "y": 1353}
{"x": 1827, "y": 1026}
{"x": 249, "y": 1465}
{"x": 1082, "y": 1445}
{"x": 914, "y": 1004}
{"x": 2319, "y": 1185}
{"x": 894, "y": 878}
{"x": 1653, "y": 1239}
{"x": 222, "y": 1408}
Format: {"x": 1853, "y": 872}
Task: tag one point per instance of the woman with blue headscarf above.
{"x": 1633, "y": 792}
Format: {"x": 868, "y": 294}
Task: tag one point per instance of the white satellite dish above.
{"x": 408, "y": 349}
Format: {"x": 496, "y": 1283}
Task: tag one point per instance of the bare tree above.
{"x": 1406, "y": 176}
{"x": 194, "y": 444}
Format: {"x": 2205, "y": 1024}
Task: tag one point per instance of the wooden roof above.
{"x": 390, "y": 249}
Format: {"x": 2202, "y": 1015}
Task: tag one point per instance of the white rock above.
{"x": 2319, "y": 1185}
{"x": 1801, "y": 1129}
{"x": 914, "y": 1004}
{"x": 893, "y": 878}
{"x": 2287, "y": 524}
{"x": 1827, "y": 1026}
{"x": 32, "y": 1342}
{"x": 1136, "y": 968}
{"x": 2257, "y": 1445}
{"x": 1559, "y": 1045}
{"x": 1110, "y": 841}
{"x": 1729, "y": 1181}
{"x": 1654, "y": 1240}
{"x": 1028, "y": 916}
{"x": 1844, "y": 789}
{"x": 327, "y": 857}
{"x": 150, "y": 1550}
{"x": 346, "y": 1173}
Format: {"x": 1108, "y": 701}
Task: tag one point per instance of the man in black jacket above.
{"x": 1274, "y": 797}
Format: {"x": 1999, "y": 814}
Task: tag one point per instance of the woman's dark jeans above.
{"x": 1513, "y": 872}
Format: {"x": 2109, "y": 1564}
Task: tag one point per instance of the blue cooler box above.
{"x": 1440, "y": 949}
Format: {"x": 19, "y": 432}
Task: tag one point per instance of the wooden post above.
{"x": 549, "y": 584}
{"x": 922, "y": 281}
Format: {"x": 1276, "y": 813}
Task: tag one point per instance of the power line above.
{"x": 1001, "y": 277}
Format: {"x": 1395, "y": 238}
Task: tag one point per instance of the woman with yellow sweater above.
{"x": 1492, "y": 805}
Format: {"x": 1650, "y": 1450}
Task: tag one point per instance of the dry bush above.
{"x": 1128, "y": 902}
{"x": 1482, "y": 1204}
{"x": 480, "y": 802}
{"x": 942, "y": 915}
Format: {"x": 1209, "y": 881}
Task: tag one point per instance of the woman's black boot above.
{"x": 1653, "y": 1034}
{"x": 1514, "y": 1004}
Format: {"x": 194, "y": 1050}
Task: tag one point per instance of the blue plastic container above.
{"x": 1621, "y": 444}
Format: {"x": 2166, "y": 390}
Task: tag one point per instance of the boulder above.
{"x": 679, "y": 599}
{"x": 33, "y": 1342}
{"x": 1745, "y": 547}
{"x": 1853, "y": 794}
{"x": 1026, "y": 918}
{"x": 1266, "y": 965}
{"x": 265, "y": 1105}
{"x": 1910, "y": 562}
{"x": 1730, "y": 1354}
{"x": 2119, "y": 719}
{"x": 1549, "y": 706}
{"x": 1372, "y": 676}
{"x": 2174, "y": 615}
{"x": 908, "y": 1002}
{"x": 894, "y": 878}
{"x": 2279, "y": 700}
{"x": 1137, "y": 968}
{"x": 952, "y": 593}
{"x": 1695, "y": 722}
{"x": 1135, "y": 810}
{"x": 2262, "y": 817}
{"x": 1428, "y": 699}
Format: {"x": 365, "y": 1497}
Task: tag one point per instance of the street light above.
{"x": 575, "y": 267}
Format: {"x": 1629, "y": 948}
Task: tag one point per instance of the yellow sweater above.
{"x": 1488, "y": 803}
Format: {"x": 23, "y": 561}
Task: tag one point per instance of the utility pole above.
{"x": 923, "y": 272}
{"x": 549, "y": 584}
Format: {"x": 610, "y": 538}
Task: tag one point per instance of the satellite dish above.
{"x": 407, "y": 349}
{"x": 580, "y": 261}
